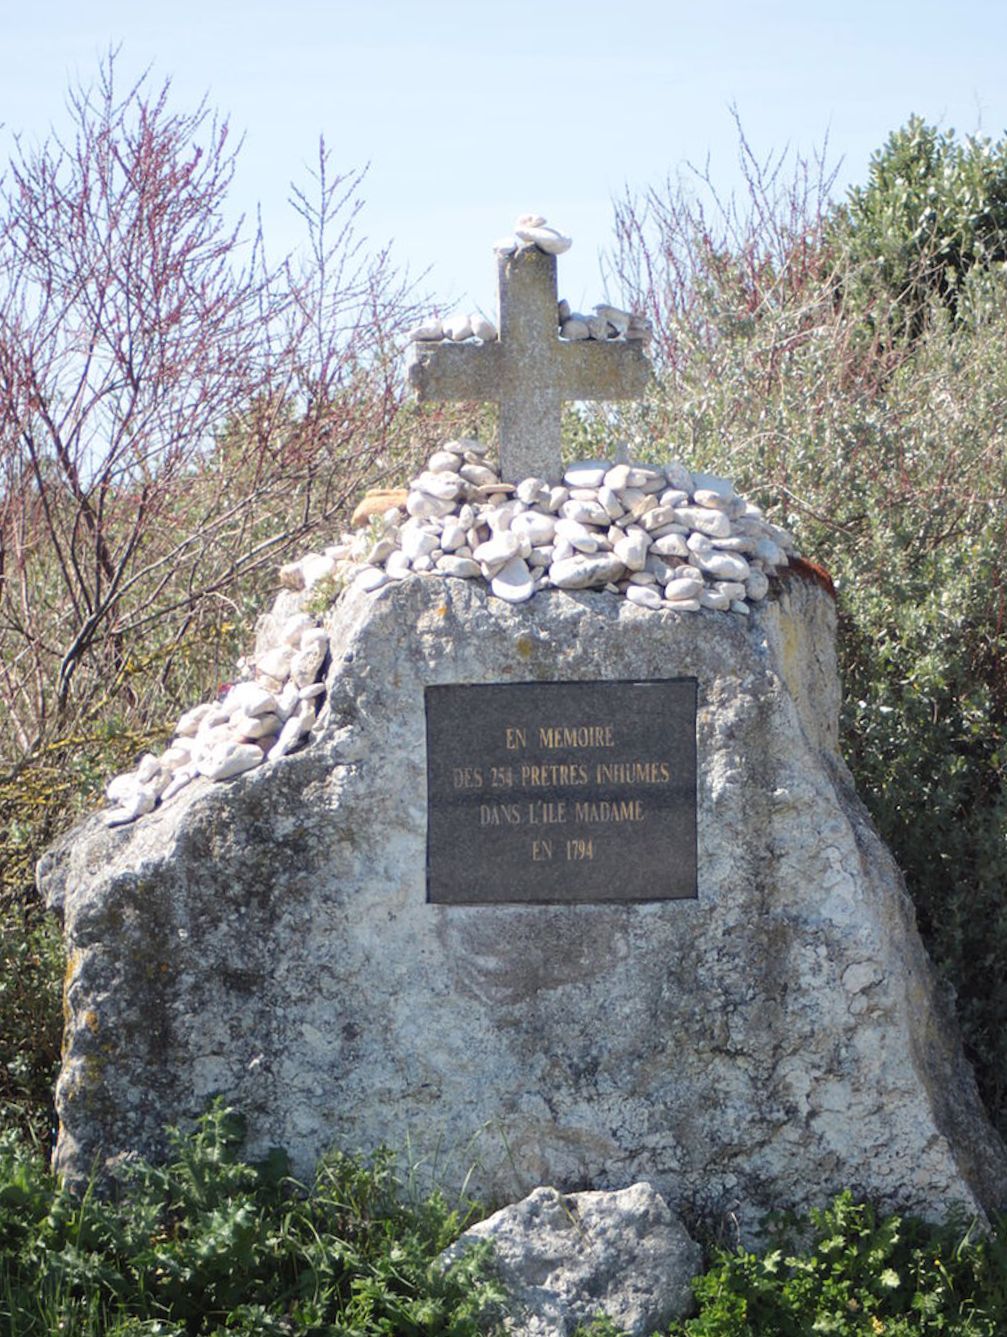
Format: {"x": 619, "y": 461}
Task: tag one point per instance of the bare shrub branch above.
{"x": 174, "y": 412}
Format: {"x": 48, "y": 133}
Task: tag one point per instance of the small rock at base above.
{"x": 461, "y": 568}
{"x": 142, "y": 800}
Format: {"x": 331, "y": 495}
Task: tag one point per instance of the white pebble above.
{"x": 418, "y": 543}
{"x": 370, "y": 579}
{"x": 586, "y": 473}
{"x": 190, "y": 721}
{"x": 458, "y": 328}
{"x": 182, "y": 777}
{"x": 545, "y": 238}
{"x": 533, "y": 491}
{"x": 513, "y": 582}
{"x": 246, "y": 698}
{"x": 247, "y": 728}
{"x": 539, "y": 528}
{"x": 671, "y": 545}
{"x": 631, "y": 549}
{"x": 732, "y": 588}
{"x": 423, "y": 506}
{"x": 715, "y": 524}
{"x": 291, "y": 576}
{"x": 644, "y": 595}
{"x": 290, "y": 632}
{"x": 716, "y": 599}
{"x": 683, "y": 588}
{"x": 482, "y": 328}
{"x": 427, "y": 331}
{"x": 757, "y": 585}
{"x": 275, "y": 662}
{"x": 227, "y": 760}
{"x": 587, "y": 512}
{"x": 463, "y": 568}
{"x": 678, "y": 476}
{"x": 711, "y": 483}
{"x": 398, "y": 565}
{"x": 315, "y": 567}
{"x": 452, "y": 536}
{"x": 724, "y": 565}
{"x": 129, "y": 808}
{"x": 496, "y": 551}
{"x": 444, "y": 461}
{"x": 445, "y": 486}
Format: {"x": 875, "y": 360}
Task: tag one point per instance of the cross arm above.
{"x": 609, "y": 370}
{"x": 456, "y": 371}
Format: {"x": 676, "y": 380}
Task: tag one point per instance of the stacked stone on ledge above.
{"x": 659, "y": 535}
{"x": 263, "y": 717}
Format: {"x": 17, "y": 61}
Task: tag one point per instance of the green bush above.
{"x": 858, "y": 1274}
{"x": 208, "y": 1243}
{"x": 932, "y": 210}
{"x": 31, "y": 973}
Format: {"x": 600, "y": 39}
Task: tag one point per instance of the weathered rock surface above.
{"x": 565, "y": 1259}
{"x": 268, "y": 938}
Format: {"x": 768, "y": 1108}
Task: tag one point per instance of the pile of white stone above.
{"x": 659, "y": 535}
{"x": 261, "y": 718}
{"x": 607, "y": 322}
{"x": 456, "y": 329}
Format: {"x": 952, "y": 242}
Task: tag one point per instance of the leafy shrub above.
{"x": 858, "y": 1274}
{"x": 208, "y": 1243}
{"x": 933, "y": 209}
{"x": 31, "y": 972}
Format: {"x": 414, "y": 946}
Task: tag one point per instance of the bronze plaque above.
{"x": 561, "y": 792}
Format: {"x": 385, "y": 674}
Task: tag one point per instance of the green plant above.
{"x": 932, "y": 210}
{"x": 854, "y": 1273}
{"x": 207, "y": 1243}
{"x": 31, "y": 973}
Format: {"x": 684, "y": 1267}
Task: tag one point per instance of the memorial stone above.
{"x": 706, "y": 976}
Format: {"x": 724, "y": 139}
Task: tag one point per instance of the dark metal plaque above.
{"x": 561, "y": 792}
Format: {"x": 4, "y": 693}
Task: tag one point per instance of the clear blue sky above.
{"x": 471, "y": 111}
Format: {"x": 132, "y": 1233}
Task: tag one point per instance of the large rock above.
{"x": 565, "y": 1259}
{"x": 775, "y": 1040}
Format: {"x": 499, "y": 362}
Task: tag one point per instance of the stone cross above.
{"x": 530, "y": 371}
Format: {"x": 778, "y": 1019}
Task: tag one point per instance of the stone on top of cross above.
{"x": 530, "y": 370}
